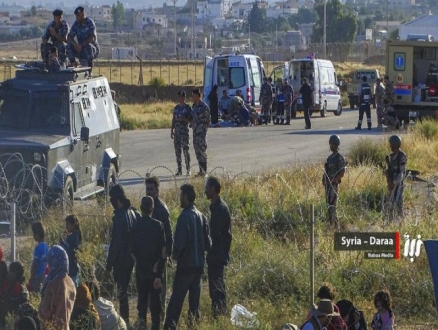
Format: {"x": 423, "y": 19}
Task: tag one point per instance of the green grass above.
{"x": 269, "y": 272}
{"x": 147, "y": 115}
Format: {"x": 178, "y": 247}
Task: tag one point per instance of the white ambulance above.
{"x": 233, "y": 72}
{"x": 321, "y": 76}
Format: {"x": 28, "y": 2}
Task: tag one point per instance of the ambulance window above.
{"x": 399, "y": 61}
{"x": 256, "y": 77}
{"x": 324, "y": 77}
{"x": 237, "y": 77}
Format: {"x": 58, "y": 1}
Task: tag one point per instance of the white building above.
{"x": 423, "y": 25}
{"x": 241, "y": 9}
{"x": 401, "y": 3}
{"x": 224, "y": 23}
{"x": 99, "y": 13}
{"x": 142, "y": 18}
{"x": 124, "y": 53}
{"x": 276, "y": 11}
{"x": 213, "y": 8}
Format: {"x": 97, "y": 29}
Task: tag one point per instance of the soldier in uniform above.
{"x": 389, "y": 118}
{"x": 55, "y": 36}
{"x": 395, "y": 175}
{"x": 380, "y": 95}
{"x": 200, "y": 123}
{"x": 274, "y": 93}
{"x": 279, "y": 115}
{"x": 85, "y": 47}
{"x": 389, "y": 90}
{"x": 334, "y": 171}
{"x": 288, "y": 93}
{"x": 364, "y": 94}
{"x": 182, "y": 116}
{"x": 266, "y": 99}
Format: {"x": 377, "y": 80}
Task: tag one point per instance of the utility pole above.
{"x": 174, "y": 24}
{"x": 193, "y": 29}
{"x": 325, "y": 29}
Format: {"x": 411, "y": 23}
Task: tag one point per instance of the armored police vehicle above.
{"x": 59, "y": 137}
{"x": 412, "y": 67}
{"x": 353, "y": 88}
{"x": 233, "y": 72}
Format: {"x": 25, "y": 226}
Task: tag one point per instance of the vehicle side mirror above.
{"x": 85, "y": 134}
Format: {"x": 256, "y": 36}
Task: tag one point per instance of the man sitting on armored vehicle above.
{"x": 55, "y": 36}
{"x": 54, "y": 65}
{"x": 86, "y": 48}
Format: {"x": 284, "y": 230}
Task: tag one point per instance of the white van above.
{"x": 321, "y": 76}
{"x": 233, "y": 72}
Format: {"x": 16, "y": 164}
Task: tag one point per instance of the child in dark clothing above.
{"x": 15, "y": 292}
{"x": 71, "y": 244}
{"x": 39, "y": 262}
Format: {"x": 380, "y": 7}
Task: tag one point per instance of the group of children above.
{"x": 76, "y": 307}
{"x": 344, "y": 315}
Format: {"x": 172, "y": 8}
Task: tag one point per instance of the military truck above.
{"x": 412, "y": 67}
{"x": 59, "y": 137}
{"x": 353, "y": 88}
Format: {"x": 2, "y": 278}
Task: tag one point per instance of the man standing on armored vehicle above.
{"x": 55, "y": 36}
{"x": 86, "y": 48}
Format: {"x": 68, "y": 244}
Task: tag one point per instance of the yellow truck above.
{"x": 353, "y": 87}
{"x": 412, "y": 67}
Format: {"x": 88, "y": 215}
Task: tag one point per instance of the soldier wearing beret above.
{"x": 55, "y": 35}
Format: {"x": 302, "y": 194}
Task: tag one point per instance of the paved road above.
{"x": 247, "y": 149}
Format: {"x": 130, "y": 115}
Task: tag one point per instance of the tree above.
{"x": 118, "y": 13}
{"x": 341, "y": 25}
{"x": 257, "y": 18}
{"x": 303, "y": 16}
{"x": 33, "y": 11}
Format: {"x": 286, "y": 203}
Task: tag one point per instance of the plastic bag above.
{"x": 241, "y": 317}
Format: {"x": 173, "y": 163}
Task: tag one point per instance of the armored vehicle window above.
{"x": 49, "y": 110}
{"x": 237, "y": 77}
{"x": 13, "y": 108}
{"x": 78, "y": 118}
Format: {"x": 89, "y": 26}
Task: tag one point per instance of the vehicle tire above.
{"x": 67, "y": 195}
{"x": 323, "y": 111}
{"x": 351, "y": 105}
{"x": 338, "y": 111}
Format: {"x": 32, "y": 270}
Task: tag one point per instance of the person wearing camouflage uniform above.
{"x": 389, "y": 91}
{"x": 55, "y": 36}
{"x": 334, "y": 171}
{"x": 200, "y": 123}
{"x": 266, "y": 100}
{"x": 274, "y": 93}
{"x": 380, "y": 93}
{"x": 395, "y": 175}
{"x": 288, "y": 93}
{"x": 182, "y": 116}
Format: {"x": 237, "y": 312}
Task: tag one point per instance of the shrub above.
{"x": 157, "y": 82}
{"x": 365, "y": 151}
{"x": 427, "y": 128}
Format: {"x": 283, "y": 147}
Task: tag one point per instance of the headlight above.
{"x": 37, "y": 157}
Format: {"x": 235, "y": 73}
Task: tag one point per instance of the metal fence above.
{"x": 161, "y": 71}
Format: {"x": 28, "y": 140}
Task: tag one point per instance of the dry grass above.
{"x": 147, "y": 115}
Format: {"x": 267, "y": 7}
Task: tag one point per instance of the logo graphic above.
{"x": 412, "y": 247}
